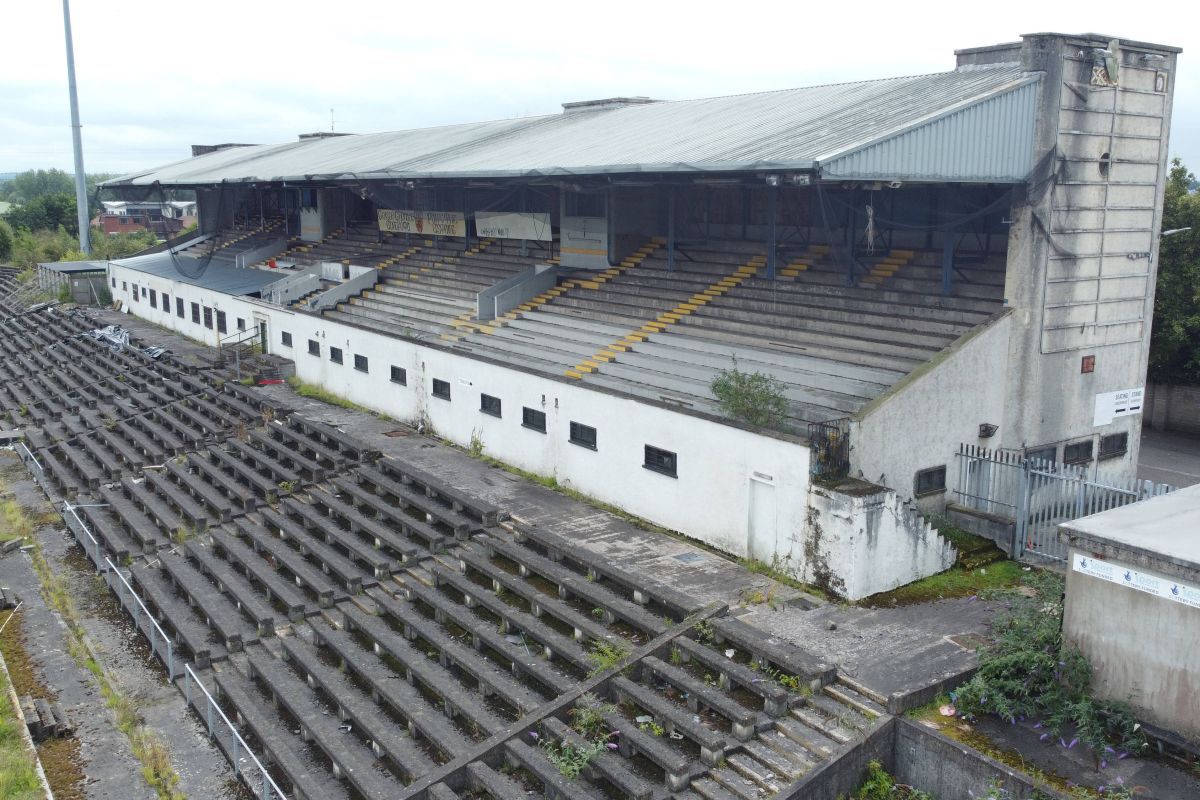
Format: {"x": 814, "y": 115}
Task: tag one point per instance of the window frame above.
{"x": 578, "y": 434}
{"x": 336, "y": 355}
{"x": 1105, "y": 453}
{"x": 180, "y": 307}
{"x": 935, "y": 486}
{"x": 438, "y": 384}
{"x": 362, "y": 364}
{"x": 285, "y": 339}
{"x": 654, "y": 465}
{"x": 222, "y": 322}
{"x": 1083, "y": 445}
{"x": 314, "y": 348}
{"x": 195, "y": 313}
{"x": 399, "y": 372}
{"x": 486, "y": 401}
{"x": 527, "y": 413}
{"x": 208, "y": 316}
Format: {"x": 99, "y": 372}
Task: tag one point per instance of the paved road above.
{"x": 1172, "y": 458}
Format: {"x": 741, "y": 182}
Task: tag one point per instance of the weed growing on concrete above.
{"x": 606, "y": 655}
{"x": 1031, "y": 672}
{"x": 18, "y": 778}
{"x": 752, "y": 397}
{"x": 287, "y": 487}
{"x": 476, "y": 449}
{"x": 571, "y": 759}
{"x": 314, "y": 392}
{"x": 882, "y": 786}
{"x": 147, "y": 747}
{"x": 587, "y": 717}
{"x": 651, "y": 727}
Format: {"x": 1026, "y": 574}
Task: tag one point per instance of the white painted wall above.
{"x": 934, "y": 409}
{"x": 720, "y": 467}
{"x": 709, "y": 500}
{"x": 857, "y": 544}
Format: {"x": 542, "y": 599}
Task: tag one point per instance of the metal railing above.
{"x": 89, "y": 543}
{"x": 223, "y": 732}
{"x": 160, "y": 644}
{"x": 1038, "y": 496}
{"x": 830, "y": 445}
{"x": 32, "y": 464}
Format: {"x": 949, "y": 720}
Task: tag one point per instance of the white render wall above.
{"x": 707, "y": 501}
{"x": 851, "y": 545}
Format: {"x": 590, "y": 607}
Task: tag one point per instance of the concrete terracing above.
{"x": 374, "y": 622}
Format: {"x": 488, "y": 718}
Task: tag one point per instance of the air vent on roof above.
{"x": 607, "y": 104}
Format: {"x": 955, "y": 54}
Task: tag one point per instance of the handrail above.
{"x": 112, "y": 570}
{"x": 268, "y": 783}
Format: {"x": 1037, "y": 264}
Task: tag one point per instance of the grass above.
{"x": 979, "y": 570}
{"x": 146, "y": 744}
{"x": 18, "y": 777}
{"x": 314, "y": 392}
{"x": 16, "y": 524}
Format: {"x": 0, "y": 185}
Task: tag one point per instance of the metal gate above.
{"x": 1038, "y": 496}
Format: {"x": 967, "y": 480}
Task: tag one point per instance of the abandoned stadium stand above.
{"x": 374, "y": 631}
{"x": 917, "y": 263}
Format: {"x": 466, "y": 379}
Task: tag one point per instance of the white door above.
{"x": 761, "y": 544}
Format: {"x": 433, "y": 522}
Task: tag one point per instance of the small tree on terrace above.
{"x": 753, "y": 397}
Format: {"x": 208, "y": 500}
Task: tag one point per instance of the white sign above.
{"x": 429, "y": 223}
{"x": 1157, "y": 585}
{"x": 1124, "y": 403}
{"x": 513, "y": 225}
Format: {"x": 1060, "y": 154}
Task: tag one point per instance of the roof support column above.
{"x": 670, "y": 229}
{"x": 949, "y": 245}
{"x": 524, "y": 209}
{"x": 772, "y": 202}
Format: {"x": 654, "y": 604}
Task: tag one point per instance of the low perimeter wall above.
{"x": 919, "y": 757}
{"x": 1172, "y": 408}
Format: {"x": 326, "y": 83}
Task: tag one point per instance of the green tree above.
{"x": 6, "y": 241}
{"x": 35, "y": 183}
{"x": 1175, "y": 340}
{"x": 46, "y": 212}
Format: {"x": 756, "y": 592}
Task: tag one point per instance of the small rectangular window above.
{"x": 221, "y": 325}
{"x": 196, "y": 313}
{"x": 241, "y": 323}
{"x": 285, "y": 339}
{"x": 441, "y": 389}
{"x": 135, "y": 293}
{"x": 124, "y": 286}
{"x": 208, "y": 317}
{"x": 360, "y": 363}
{"x": 1114, "y": 445}
{"x": 583, "y": 435}
{"x": 114, "y": 282}
{"x": 314, "y": 347}
{"x": 930, "y": 481}
{"x": 166, "y": 304}
{"x": 399, "y": 375}
{"x": 489, "y": 404}
{"x": 335, "y": 355}
{"x": 179, "y": 307}
{"x": 660, "y": 461}
{"x": 153, "y": 299}
{"x": 144, "y": 291}
{"x": 1041, "y": 456}
{"x": 533, "y": 419}
{"x": 1078, "y": 453}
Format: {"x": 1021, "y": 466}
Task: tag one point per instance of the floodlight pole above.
{"x": 81, "y": 205}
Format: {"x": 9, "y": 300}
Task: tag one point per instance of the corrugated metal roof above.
{"x": 790, "y": 129}
{"x": 220, "y": 276}
{"x": 991, "y": 140}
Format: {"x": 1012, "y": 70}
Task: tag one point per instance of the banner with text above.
{"x": 1142, "y": 581}
{"x": 428, "y": 223}
{"x": 513, "y": 225}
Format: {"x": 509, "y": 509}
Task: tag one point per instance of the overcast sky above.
{"x": 155, "y": 78}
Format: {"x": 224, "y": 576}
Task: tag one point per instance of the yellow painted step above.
{"x": 670, "y": 316}
{"x": 689, "y": 307}
{"x": 573, "y": 374}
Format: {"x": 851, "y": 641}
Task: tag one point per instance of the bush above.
{"x": 755, "y": 398}
{"x": 1030, "y": 672}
